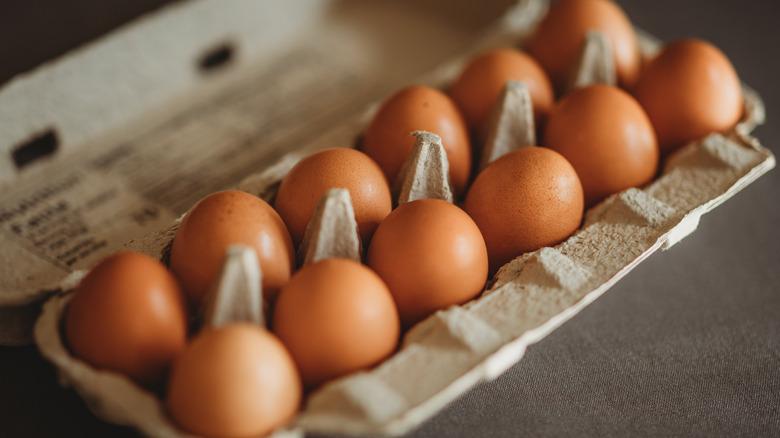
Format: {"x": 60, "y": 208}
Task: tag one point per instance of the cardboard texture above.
{"x": 528, "y": 298}
{"x": 510, "y": 124}
{"x": 426, "y": 174}
{"x": 595, "y": 64}
{"x": 237, "y": 295}
{"x": 332, "y": 231}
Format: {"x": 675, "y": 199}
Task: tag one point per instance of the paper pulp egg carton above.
{"x": 137, "y": 131}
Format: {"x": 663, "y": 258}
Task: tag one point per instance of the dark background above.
{"x": 687, "y": 344}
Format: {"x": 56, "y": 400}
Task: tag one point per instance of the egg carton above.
{"x": 528, "y": 298}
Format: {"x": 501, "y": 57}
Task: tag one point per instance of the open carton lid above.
{"x": 119, "y": 138}
{"x": 528, "y": 298}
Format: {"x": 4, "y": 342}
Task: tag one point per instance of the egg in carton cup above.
{"x": 527, "y": 299}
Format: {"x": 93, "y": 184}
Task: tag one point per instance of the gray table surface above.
{"x": 687, "y": 344}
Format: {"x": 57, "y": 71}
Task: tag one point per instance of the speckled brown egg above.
{"x": 689, "y": 90}
{"x": 525, "y": 200}
{"x": 128, "y": 315}
{"x": 558, "y": 39}
{"x": 480, "y": 83}
{"x": 234, "y": 381}
{"x": 223, "y": 219}
{"x": 336, "y": 317}
{"x": 432, "y": 255}
{"x": 388, "y": 138}
{"x": 607, "y": 137}
{"x": 350, "y": 169}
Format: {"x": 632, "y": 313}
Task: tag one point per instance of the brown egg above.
{"x": 335, "y": 316}
{"x": 480, "y": 83}
{"x": 388, "y": 138}
{"x": 128, "y": 315}
{"x": 431, "y": 255}
{"x": 527, "y": 199}
{"x": 557, "y": 41}
{"x": 607, "y": 137}
{"x": 689, "y": 90}
{"x": 350, "y": 169}
{"x": 223, "y": 219}
{"x": 234, "y": 381}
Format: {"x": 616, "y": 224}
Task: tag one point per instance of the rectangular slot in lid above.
{"x": 42, "y": 145}
{"x": 216, "y": 58}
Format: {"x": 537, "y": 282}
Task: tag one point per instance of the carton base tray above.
{"x": 528, "y": 299}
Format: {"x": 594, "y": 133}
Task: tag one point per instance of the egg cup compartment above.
{"x": 526, "y": 300}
